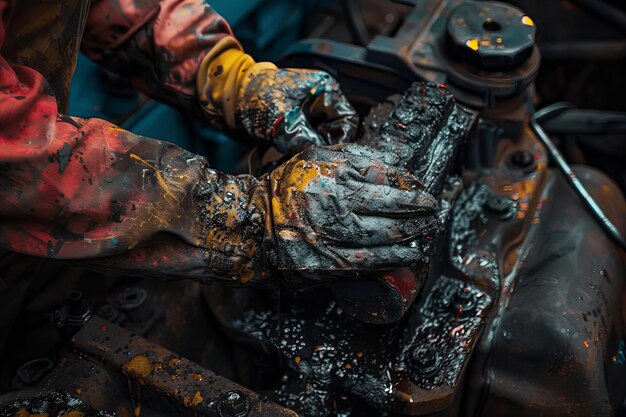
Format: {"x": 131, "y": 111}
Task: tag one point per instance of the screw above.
{"x": 523, "y": 160}
{"x": 233, "y": 404}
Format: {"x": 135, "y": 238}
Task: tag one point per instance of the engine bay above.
{"x": 516, "y": 307}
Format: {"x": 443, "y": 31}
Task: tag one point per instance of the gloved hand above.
{"x": 334, "y": 208}
{"x": 288, "y": 108}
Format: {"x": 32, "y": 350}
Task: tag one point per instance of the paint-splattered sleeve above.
{"x": 75, "y": 188}
{"x": 156, "y": 44}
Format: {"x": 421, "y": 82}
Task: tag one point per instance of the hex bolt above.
{"x": 523, "y": 160}
{"x": 233, "y": 404}
{"x": 108, "y": 312}
{"x": 426, "y": 359}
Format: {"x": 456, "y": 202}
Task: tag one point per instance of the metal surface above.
{"x": 329, "y": 350}
{"x": 161, "y": 377}
{"x": 555, "y": 345}
{"x": 416, "y": 51}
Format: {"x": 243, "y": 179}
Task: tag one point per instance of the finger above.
{"x": 378, "y": 257}
{"x": 293, "y": 133}
{"x": 333, "y": 117}
{"x": 365, "y": 154}
{"x": 356, "y": 155}
{"x": 354, "y": 230}
{"x": 382, "y": 200}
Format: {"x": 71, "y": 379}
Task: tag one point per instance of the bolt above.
{"x": 75, "y": 313}
{"x": 132, "y": 297}
{"x": 523, "y": 160}
{"x": 108, "y": 312}
{"x": 462, "y": 302}
{"x": 500, "y": 207}
{"x": 233, "y": 404}
{"x": 426, "y": 359}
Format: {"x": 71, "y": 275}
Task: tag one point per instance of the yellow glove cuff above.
{"x": 223, "y": 75}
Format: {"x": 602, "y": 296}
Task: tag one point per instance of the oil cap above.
{"x": 490, "y": 36}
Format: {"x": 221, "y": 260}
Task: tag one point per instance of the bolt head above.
{"x": 523, "y": 160}
{"x": 233, "y": 404}
{"x": 426, "y": 359}
{"x": 500, "y": 207}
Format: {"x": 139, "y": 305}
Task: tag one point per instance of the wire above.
{"x": 570, "y": 176}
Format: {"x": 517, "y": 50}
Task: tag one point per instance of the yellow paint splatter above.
{"x": 159, "y": 176}
{"x": 139, "y": 366}
{"x": 118, "y": 129}
{"x": 472, "y": 44}
{"x": 193, "y": 402}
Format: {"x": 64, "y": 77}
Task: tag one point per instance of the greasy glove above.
{"x": 288, "y": 108}
{"x": 335, "y": 208}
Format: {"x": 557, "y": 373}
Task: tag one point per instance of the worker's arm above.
{"x": 75, "y": 189}
{"x": 183, "y": 53}
{"x": 81, "y": 189}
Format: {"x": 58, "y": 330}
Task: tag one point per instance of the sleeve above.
{"x": 157, "y": 44}
{"x": 76, "y": 189}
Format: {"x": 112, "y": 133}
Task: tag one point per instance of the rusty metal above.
{"x": 160, "y": 377}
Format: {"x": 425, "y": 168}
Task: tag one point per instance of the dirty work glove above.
{"x": 335, "y": 208}
{"x": 344, "y": 207}
{"x": 290, "y": 109}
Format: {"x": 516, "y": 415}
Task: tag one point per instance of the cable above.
{"x": 569, "y": 174}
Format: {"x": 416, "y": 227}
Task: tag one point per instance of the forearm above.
{"x": 82, "y": 189}
{"x": 156, "y": 44}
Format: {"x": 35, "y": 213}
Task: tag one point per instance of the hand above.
{"x": 344, "y": 208}
{"x": 294, "y": 109}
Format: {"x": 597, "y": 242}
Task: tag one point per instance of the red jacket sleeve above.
{"x": 157, "y": 44}
{"x": 80, "y": 189}
{"x": 76, "y": 189}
